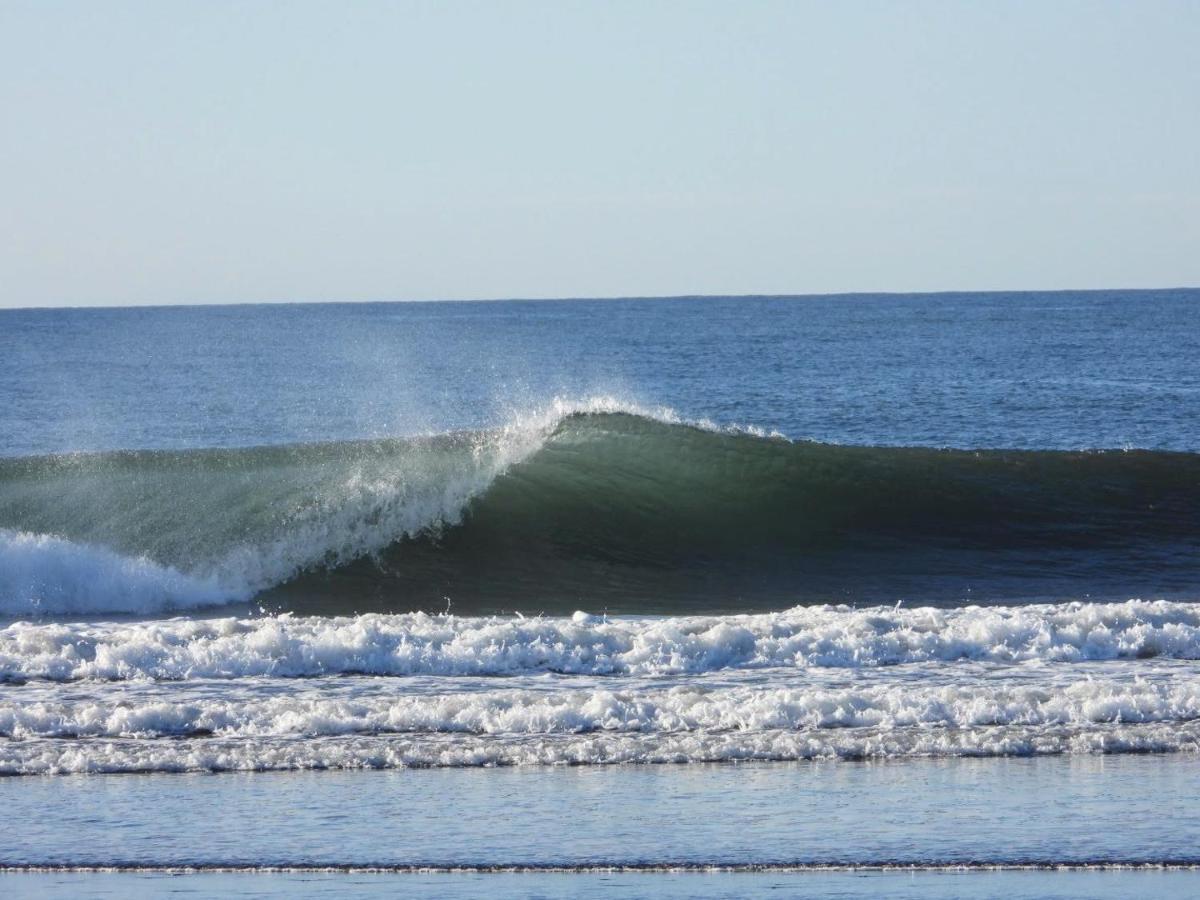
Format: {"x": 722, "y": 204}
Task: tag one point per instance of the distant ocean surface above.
{"x": 460, "y": 535}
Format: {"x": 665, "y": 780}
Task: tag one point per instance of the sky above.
{"x": 176, "y": 152}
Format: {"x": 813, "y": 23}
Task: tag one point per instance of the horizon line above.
{"x": 582, "y": 298}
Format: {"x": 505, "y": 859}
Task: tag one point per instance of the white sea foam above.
{"x": 808, "y": 683}
{"x": 683, "y": 708}
{"x": 50, "y": 757}
{"x": 45, "y": 575}
{"x": 416, "y": 644}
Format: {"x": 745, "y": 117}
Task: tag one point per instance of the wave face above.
{"x": 593, "y": 505}
{"x": 388, "y": 691}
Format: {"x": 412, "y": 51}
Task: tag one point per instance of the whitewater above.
{"x": 586, "y": 644}
{"x": 419, "y": 690}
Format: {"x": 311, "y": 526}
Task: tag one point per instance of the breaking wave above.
{"x": 596, "y": 504}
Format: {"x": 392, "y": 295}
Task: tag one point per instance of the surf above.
{"x": 587, "y": 644}
{"x": 596, "y": 504}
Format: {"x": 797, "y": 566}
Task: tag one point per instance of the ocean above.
{"x": 825, "y": 594}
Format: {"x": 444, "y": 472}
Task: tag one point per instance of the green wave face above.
{"x": 627, "y": 513}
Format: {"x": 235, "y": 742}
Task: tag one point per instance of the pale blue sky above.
{"x": 169, "y": 152}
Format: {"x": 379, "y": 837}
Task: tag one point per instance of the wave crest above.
{"x": 599, "y": 504}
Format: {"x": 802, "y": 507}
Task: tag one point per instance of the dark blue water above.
{"x": 1033, "y": 370}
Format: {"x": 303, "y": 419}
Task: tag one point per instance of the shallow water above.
{"x": 1007, "y": 885}
{"x": 994, "y": 812}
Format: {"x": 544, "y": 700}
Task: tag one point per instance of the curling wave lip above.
{"x": 596, "y": 504}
